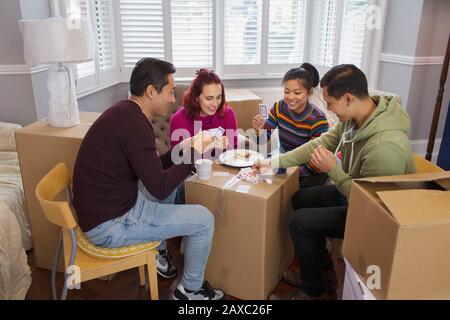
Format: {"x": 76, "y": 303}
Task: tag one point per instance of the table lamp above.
{"x": 59, "y": 42}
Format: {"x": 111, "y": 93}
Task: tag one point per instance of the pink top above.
{"x": 180, "y": 120}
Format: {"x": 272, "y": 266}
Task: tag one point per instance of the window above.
{"x": 239, "y": 38}
{"x": 287, "y": 27}
{"x": 103, "y": 69}
{"x": 180, "y": 31}
{"x": 142, "y": 30}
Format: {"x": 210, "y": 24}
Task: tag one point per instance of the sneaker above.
{"x": 204, "y": 293}
{"x": 163, "y": 265}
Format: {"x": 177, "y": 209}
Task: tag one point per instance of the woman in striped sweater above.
{"x": 297, "y": 120}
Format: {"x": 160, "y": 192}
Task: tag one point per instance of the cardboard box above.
{"x": 40, "y": 147}
{"x": 251, "y": 246}
{"x": 401, "y": 225}
{"x": 354, "y": 287}
{"x": 245, "y": 104}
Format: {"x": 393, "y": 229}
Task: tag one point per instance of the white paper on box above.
{"x": 243, "y": 189}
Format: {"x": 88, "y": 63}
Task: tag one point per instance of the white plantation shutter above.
{"x": 79, "y": 9}
{"x": 102, "y": 24}
{"x": 242, "y": 32}
{"x": 354, "y": 32}
{"x": 324, "y": 33}
{"x": 142, "y": 30}
{"x": 287, "y": 25}
{"x": 192, "y": 33}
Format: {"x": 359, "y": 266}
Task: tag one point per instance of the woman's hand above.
{"x": 203, "y": 142}
{"x": 258, "y": 123}
{"x": 221, "y": 143}
{"x": 261, "y": 166}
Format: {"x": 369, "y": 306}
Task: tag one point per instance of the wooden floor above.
{"x": 125, "y": 285}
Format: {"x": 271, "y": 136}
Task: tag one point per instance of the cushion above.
{"x": 161, "y": 124}
{"x": 111, "y": 253}
{"x": 7, "y": 139}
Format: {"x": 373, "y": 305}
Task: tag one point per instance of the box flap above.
{"x": 438, "y": 177}
{"x": 412, "y": 207}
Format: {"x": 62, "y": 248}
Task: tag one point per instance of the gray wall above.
{"x": 11, "y": 48}
{"x": 25, "y": 96}
{"x": 416, "y": 28}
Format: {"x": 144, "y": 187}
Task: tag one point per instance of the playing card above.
{"x": 217, "y": 132}
{"x": 264, "y": 111}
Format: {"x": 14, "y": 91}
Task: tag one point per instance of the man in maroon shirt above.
{"x": 124, "y": 191}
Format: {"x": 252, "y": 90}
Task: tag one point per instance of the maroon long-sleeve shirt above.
{"x": 119, "y": 149}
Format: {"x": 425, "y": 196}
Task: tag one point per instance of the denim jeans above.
{"x": 320, "y": 213}
{"x": 154, "y": 220}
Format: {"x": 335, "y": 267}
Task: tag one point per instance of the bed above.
{"x": 15, "y": 235}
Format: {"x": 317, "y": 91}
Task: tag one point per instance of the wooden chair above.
{"x": 78, "y": 251}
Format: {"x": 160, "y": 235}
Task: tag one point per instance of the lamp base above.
{"x": 63, "y": 106}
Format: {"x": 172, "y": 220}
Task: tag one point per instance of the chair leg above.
{"x": 152, "y": 275}
{"x": 55, "y": 266}
{"x": 142, "y": 275}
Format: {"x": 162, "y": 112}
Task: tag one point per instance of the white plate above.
{"x": 240, "y": 158}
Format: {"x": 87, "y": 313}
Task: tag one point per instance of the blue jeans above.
{"x": 154, "y": 220}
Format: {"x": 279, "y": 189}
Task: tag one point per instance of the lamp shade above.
{"x": 57, "y": 40}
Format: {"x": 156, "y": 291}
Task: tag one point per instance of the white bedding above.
{"x": 15, "y": 235}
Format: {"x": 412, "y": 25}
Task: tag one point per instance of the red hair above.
{"x": 190, "y": 100}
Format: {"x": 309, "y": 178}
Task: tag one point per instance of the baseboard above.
{"x": 420, "y": 147}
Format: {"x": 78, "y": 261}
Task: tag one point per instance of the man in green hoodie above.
{"x": 371, "y": 139}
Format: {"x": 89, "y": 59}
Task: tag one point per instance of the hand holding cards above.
{"x": 264, "y": 111}
{"x": 216, "y": 133}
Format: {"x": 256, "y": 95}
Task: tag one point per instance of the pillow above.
{"x": 7, "y": 139}
{"x": 111, "y": 253}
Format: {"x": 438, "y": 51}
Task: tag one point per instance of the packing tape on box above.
{"x": 220, "y": 202}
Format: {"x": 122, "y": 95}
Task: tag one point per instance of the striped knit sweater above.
{"x": 296, "y": 129}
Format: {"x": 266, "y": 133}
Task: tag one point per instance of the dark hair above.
{"x": 306, "y": 72}
{"x": 190, "y": 101}
{"x": 345, "y": 78}
{"x": 150, "y": 71}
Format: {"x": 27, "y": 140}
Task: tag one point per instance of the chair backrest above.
{"x": 57, "y": 212}
{"x": 424, "y": 166}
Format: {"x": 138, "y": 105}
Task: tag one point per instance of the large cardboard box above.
{"x": 398, "y": 229}
{"x": 251, "y": 245}
{"x": 245, "y": 104}
{"x": 40, "y": 147}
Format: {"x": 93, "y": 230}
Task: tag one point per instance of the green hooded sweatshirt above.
{"x": 379, "y": 148}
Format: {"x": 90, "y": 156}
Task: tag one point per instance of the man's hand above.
{"x": 261, "y": 166}
{"x": 258, "y": 123}
{"x": 323, "y": 159}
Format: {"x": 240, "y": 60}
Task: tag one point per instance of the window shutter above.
{"x": 242, "y": 32}
{"x": 192, "y": 33}
{"x": 324, "y": 33}
{"x": 79, "y": 9}
{"x": 353, "y": 32}
{"x": 103, "y": 35}
{"x": 142, "y": 30}
{"x": 287, "y": 24}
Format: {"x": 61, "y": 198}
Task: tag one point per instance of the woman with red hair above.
{"x": 204, "y": 108}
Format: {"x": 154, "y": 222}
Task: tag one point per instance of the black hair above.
{"x": 150, "y": 71}
{"x": 345, "y": 78}
{"x": 306, "y": 72}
